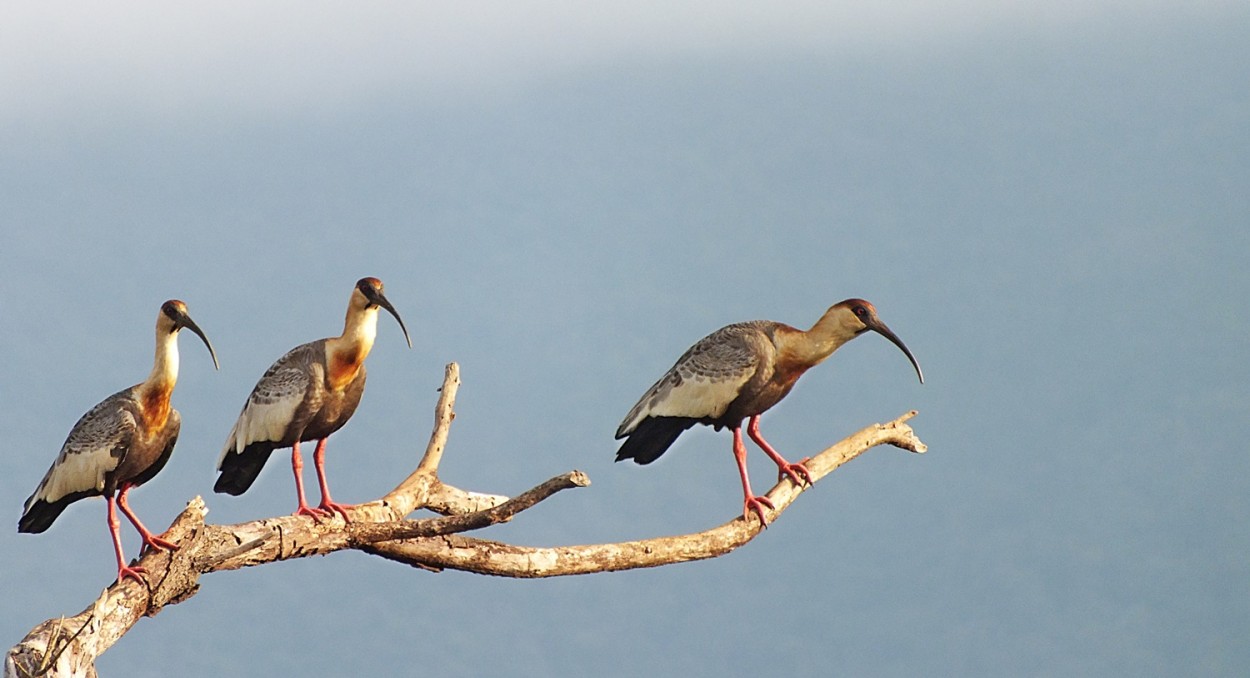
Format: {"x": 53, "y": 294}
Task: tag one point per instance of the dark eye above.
{"x": 861, "y": 311}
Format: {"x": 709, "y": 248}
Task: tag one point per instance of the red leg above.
{"x": 149, "y": 539}
{"x": 136, "y": 572}
{"x": 750, "y": 501}
{"x": 297, "y": 465}
{"x": 784, "y": 468}
{"x": 327, "y": 505}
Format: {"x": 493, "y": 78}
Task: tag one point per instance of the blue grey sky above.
{"x": 1047, "y": 203}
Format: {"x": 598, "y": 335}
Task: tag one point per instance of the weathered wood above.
{"x": 505, "y": 560}
{"x": 69, "y": 646}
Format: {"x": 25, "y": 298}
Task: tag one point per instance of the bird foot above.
{"x": 756, "y": 504}
{"x": 158, "y": 544}
{"x": 794, "y": 471}
{"x": 136, "y": 573}
{"x": 316, "y": 513}
{"x": 332, "y": 507}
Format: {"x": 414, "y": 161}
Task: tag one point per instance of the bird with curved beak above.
{"x": 737, "y": 373}
{"x": 119, "y": 444}
{"x": 308, "y": 394}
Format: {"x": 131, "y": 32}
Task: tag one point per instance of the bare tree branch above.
{"x": 69, "y": 647}
{"x": 496, "y": 558}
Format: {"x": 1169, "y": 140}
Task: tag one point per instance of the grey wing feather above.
{"x": 706, "y": 378}
{"x": 278, "y": 398}
{"x": 95, "y": 446}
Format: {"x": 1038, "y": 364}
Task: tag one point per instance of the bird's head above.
{"x": 368, "y": 294}
{"x": 858, "y": 316}
{"x": 174, "y": 317}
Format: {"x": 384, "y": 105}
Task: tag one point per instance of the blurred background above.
{"x": 1047, "y": 202}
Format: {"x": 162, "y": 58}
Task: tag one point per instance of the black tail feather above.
{"x": 652, "y": 438}
{"x": 41, "y": 514}
{"x": 239, "y": 469}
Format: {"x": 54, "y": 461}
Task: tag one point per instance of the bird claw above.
{"x": 331, "y": 507}
{"x": 794, "y": 471}
{"x": 316, "y": 513}
{"x": 757, "y": 504}
{"x": 136, "y": 573}
{"x": 158, "y": 544}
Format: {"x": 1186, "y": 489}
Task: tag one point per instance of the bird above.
{"x": 120, "y": 444}
{"x": 737, "y": 373}
{"x": 308, "y": 394}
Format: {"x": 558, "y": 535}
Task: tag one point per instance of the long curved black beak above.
{"x": 185, "y": 320}
{"x": 879, "y": 327}
{"x": 381, "y": 300}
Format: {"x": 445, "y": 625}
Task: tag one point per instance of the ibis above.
{"x": 737, "y": 373}
{"x": 120, "y": 444}
{"x": 308, "y": 394}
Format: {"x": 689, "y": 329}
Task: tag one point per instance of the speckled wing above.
{"x": 707, "y": 378}
{"x": 282, "y": 395}
{"x": 95, "y": 446}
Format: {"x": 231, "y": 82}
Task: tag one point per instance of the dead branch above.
{"x": 505, "y": 560}
{"x": 69, "y": 646}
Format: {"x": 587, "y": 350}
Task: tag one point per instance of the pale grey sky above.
{"x": 1045, "y": 201}
{"x": 264, "y": 57}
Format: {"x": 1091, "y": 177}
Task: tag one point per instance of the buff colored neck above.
{"x": 811, "y": 347}
{"x": 165, "y": 367}
{"x": 155, "y": 391}
{"x": 345, "y": 354}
